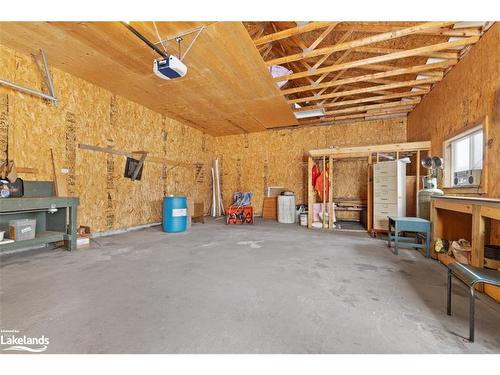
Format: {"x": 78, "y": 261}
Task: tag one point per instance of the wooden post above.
{"x": 417, "y": 185}
{"x": 324, "y": 192}
{"x": 330, "y": 192}
{"x": 437, "y": 227}
{"x": 310, "y": 192}
{"x": 478, "y": 235}
{"x": 369, "y": 198}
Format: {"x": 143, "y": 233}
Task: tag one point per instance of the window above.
{"x": 463, "y": 152}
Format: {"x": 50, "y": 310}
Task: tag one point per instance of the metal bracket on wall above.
{"x": 46, "y": 76}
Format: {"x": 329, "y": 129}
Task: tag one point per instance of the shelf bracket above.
{"x": 46, "y": 76}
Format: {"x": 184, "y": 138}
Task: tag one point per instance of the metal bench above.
{"x": 470, "y": 276}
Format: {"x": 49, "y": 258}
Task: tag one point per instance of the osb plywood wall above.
{"x": 463, "y": 98}
{"x": 30, "y": 126}
{"x": 255, "y": 161}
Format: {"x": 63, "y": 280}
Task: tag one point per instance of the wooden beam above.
{"x": 398, "y": 103}
{"x": 415, "y": 82}
{"x": 373, "y": 28}
{"x": 382, "y": 51}
{"x": 325, "y": 57}
{"x": 368, "y": 77}
{"x": 26, "y": 170}
{"x": 360, "y": 42}
{"x": 378, "y": 98}
{"x": 323, "y": 35}
{"x": 382, "y": 58}
{"x": 136, "y": 155}
{"x": 393, "y": 147}
{"x": 292, "y": 31}
{"x": 367, "y": 115}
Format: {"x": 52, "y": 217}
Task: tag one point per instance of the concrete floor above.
{"x": 267, "y": 288}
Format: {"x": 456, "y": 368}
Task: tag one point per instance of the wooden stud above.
{"x": 324, "y": 192}
{"x": 417, "y": 185}
{"x": 369, "y": 198}
{"x": 478, "y": 238}
{"x": 330, "y": 192}
{"x": 310, "y": 192}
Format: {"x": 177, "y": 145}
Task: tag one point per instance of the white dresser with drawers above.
{"x": 389, "y": 192}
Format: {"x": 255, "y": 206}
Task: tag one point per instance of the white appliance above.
{"x": 471, "y": 177}
{"x": 169, "y": 68}
{"x": 389, "y": 192}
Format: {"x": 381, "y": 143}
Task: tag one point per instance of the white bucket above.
{"x": 303, "y": 219}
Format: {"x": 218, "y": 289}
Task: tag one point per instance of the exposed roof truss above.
{"x": 364, "y": 70}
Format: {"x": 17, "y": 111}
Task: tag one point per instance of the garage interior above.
{"x": 250, "y": 187}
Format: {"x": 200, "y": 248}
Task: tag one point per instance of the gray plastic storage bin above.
{"x": 22, "y": 229}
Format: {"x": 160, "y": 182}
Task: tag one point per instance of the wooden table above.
{"x": 455, "y": 217}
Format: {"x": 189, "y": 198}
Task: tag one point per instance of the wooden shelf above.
{"x": 463, "y": 217}
{"x": 41, "y": 238}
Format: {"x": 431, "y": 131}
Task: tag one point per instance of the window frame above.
{"x": 447, "y": 181}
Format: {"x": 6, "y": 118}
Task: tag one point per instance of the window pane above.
{"x": 477, "y": 151}
{"x": 461, "y": 155}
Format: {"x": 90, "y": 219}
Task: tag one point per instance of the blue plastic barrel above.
{"x": 174, "y": 214}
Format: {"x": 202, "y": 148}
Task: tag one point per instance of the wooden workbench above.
{"x": 455, "y": 217}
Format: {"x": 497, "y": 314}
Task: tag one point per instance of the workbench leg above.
{"x": 396, "y": 250}
{"x": 428, "y": 243}
{"x": 471, "y": 314}
{"x": 448, "y": 301}
{"x": 72, "y": 228}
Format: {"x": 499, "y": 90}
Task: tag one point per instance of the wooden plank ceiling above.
{"x": 227, "y": 89}
{"x": 363, "y": 70}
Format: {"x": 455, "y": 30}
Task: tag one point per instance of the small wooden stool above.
{"x": 409, "y": 224}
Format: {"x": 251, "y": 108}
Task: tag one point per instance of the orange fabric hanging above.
{"x": 318, "y": 186}
{"x": 315, "y": 174}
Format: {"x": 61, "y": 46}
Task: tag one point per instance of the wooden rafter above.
{"x": 325, "y": 57}
{"x": 359, "y": 42}
{"x": 388, "y": 57}
{"x": 368, "y": 77}
{"x": 367, "y": 114}
{"x": 362, "y": 108}
{"x": 370, "y": 99}
{"x": 356, "y": 78}
{"x": 292, "y": 31}
{"x": 383, "y": 51}
{"x": 463, "y": 32}
{"x": 415, "y": 82}
{"x": 323, "y": 35}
